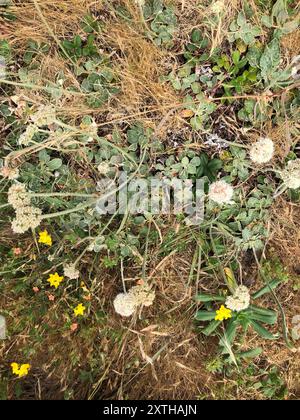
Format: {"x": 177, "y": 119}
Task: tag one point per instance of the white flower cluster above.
{"x": 262, "y": 151}
{"x": 291, "y": 174}
{"x": 27, "y": 216}
{"x": 125, "y": 304}
{"x": 28, "y": 134}
{"x": 9, "y": 173}
{"x": 240, "y": 300}
{"x": 143, "y": 295}
{"x": 71, "y": 272}
{"x": 218, "y": 6}
{"x": 18, "y": 196}
{"x": 103, "y": 168}
{"x": 220, "y": 192}
{"x": 44, "y": 116}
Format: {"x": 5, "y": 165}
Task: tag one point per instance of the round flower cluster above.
{"x": 44, "y": 116}
{"x": 125, "y": 304}
{"x": 103, "y": 168}
{"x": 262, "y": 151}
{"x": 218, "y": 7}
{"x": 18, "y": 196}
{"x": 291, "y": 174}
{"x": 143, "y": 295}
{"x": 220, "y": 192}
{"x": 27, "y": 216}
{"x": 28, "y": 134}
{"x": 71, "y": 272}
{"x": 240, "y": 300}
{"x": 9, "y": 173}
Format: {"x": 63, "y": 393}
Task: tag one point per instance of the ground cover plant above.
{"x": 145, "y": 304}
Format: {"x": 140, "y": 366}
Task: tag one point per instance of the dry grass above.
{"x": 139, "y": 65}
{"x": 286, "y": 232}
{"x": 291, "y": 44}
{"x": 63, "y": 18}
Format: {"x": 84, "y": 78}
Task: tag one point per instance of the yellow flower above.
{"x": 79, "y": 310}
{"x": 223, "y": 313}
{"x": 15, "y": 368}
{"x": 20, "y": 370}
{"x": 45, "y": 238}
{"x": 55, "y": 280}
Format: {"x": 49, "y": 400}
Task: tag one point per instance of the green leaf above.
{"x": 263, "y": 332}
{"x": 279, "y": 12}
{"x": 270, "y": 60}
{"x": 263, "y": 315}
{"x": 202, "y": 297}
{"x": 231, "y": 330}
{"x": 212, "y": 326}
{"x": 267, "y": 21}
{"x": 251, "y": 353}
{"x": 44, "y": 156}
{"x": 54, "y": 164}
{"x": 236, "y": 57}
{"x": 266, "y": 289}
{"x": 205, "y": 315}
{"x": 196, "y": 36}
{"x": 77, "y": 41}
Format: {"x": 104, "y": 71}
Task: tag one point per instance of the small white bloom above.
{"x": 103, "y": 168}
{"x": 18, "y": 196}
{"x": 28, "y": 134}
{"x": 27, "y": 217}
{"x": 220, "y": 192}
{"x": 240, "y": 300}
{"x": 9, "y": 173}
{"x": 142, "y": 294}
{"x": 71, "y": 272}
{"x": 44, "y": 116}
{"x": 218, "y": 7}
{"x": 291, "y": 174}
{"x": 124, "y": 304}
{"x": 262, "y": 151}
